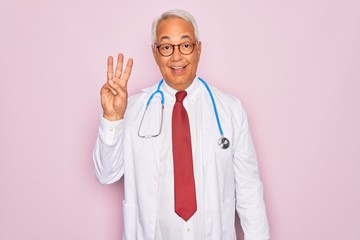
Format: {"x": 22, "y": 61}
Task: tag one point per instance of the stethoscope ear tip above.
{"x": 224, "y": 143}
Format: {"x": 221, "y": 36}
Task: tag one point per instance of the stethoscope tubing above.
{"x": 157, "y": 91}
{"x": 214, "y": 106}
{"x": 223, "y": 141}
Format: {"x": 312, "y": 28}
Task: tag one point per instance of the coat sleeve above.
{"x": 250, "y": 204}
{"x": 108, "y": 153}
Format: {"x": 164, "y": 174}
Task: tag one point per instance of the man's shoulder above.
{"x": 228, "y": 104}
{"x": 143, "y": 94}
{"x": 225, "y": 97}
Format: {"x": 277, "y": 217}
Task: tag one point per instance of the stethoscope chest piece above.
{"x": 224, "y": 143}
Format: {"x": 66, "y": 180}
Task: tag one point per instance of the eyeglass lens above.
{"x": 168, "y": 49}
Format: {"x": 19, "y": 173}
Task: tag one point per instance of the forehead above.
{"x": 174, "y": 28}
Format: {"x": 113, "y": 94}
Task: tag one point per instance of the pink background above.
{"x": 294, "y": 64}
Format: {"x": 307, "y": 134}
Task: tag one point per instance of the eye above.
{"x": 165, "y": 47}
{"x": 186, "y": 45}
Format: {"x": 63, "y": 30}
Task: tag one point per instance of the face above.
{"x": 178, "y": 70}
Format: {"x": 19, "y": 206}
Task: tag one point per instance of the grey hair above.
{"x": 174, "y": 13}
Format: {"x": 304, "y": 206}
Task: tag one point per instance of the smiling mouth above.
{"x": 178, "y": 68}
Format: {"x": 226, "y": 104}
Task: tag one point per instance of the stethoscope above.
{"x": 223, "y": 142}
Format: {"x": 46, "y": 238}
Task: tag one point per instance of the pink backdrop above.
{"x": 294, "y": 64}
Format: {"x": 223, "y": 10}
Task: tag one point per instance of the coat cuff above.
{"x": 110, "y": 131}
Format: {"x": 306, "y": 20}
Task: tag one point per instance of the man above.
{"x": 177, "y": 192}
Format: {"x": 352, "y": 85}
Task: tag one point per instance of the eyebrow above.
{"x": 182, "y": 37}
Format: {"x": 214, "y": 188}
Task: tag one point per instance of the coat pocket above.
{"x": 228, "y": 220}
{"x": 130, "y": 220}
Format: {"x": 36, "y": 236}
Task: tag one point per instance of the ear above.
{"x": 199, "y": 49}
{"x": 155, "y": 55}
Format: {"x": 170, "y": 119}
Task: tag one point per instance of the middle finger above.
{"x": 119, "y": 66}
{"x": 110, "y": 70}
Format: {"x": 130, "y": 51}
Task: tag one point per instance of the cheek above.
{"x": 163, "y": 66}
{"x": 158, "y": 61}
{"x": 195, "y": 61}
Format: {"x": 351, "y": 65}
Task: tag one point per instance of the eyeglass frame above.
{"x": 173, "y": 48}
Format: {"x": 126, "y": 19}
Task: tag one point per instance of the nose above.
{"x": 176, "y": 54}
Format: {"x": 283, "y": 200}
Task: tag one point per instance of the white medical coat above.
{"x": 230, "y": 175}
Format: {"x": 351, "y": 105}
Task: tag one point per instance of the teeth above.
{"x": 177, "y": 67}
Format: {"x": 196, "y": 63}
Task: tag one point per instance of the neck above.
{"x": 181, "y": 86}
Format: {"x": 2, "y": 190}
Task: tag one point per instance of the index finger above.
{"x": 126, "y": 75}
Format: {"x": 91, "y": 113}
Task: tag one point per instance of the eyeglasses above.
{"x": 168, "y": 49}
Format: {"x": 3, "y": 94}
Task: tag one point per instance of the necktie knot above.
{"x": 180, "y": 96}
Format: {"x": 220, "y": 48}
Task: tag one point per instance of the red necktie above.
{"x": 184, "y": 183}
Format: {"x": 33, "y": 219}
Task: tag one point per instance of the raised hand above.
{"x": 114, "y": 92}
